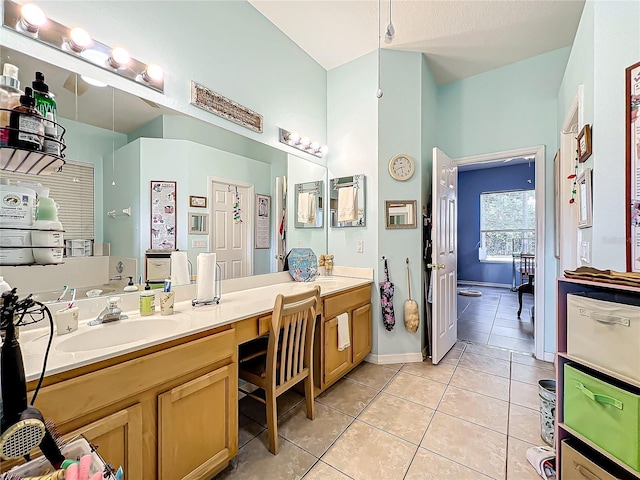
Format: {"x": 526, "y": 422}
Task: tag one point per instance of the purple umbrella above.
{"x": 386, "y": 299}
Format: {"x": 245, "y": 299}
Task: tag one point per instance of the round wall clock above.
{"x": 401, "y": 167}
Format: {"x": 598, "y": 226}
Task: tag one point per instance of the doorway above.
{"x": 499, "y": 269}
{"x": 231, "y": 233}
{"x": 446, "y": 313}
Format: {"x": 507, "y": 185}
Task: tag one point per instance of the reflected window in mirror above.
{"x": 347, "y": 203}
{"x": 309, "y": 205}
{"x": 400, "y": 213}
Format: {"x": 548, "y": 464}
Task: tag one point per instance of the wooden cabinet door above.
{"x": 118, "y": 438}
{"x": 361, "y": 332}
{"x": 336, "y": 362}
{"x": 198, "y": 426}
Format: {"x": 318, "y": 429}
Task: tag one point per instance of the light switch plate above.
{"x": 198, "y": 244}
{"x": 360, "y": 246}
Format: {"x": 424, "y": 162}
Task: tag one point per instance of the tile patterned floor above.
{"x": 470, "y": 418}
{"x": 492, "y": 319}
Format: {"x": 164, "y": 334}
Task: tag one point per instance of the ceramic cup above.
{"x": 166, "y": 302}
{"x": 66, "y": 320}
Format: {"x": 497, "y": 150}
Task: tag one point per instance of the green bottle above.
{"x": 44, "y": 98}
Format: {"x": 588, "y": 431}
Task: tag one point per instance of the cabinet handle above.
{"x": 606, "y": 319}
{"x": 596, "y": 397}
{"x": 585, "y": 472}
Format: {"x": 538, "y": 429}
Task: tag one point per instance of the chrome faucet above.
{"x": 111, "y": 313}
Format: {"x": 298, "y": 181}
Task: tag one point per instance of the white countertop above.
{"x": 84, "y": 346}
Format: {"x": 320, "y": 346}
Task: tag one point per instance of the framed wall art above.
{"x": 632, "y": 126}
{"x": 263, "y": 216}
{"x": 584, "y": 143}
{"x": 163, "y": 215}
{"x": 585, "y": 199}
{"x": 197, "y": 202}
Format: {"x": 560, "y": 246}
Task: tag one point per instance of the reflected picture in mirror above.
{"x": 347, "y": 205}
{"x": 400, "y": 213}
{"x": 198, "y": 223}
{"x": 128, "y": 141}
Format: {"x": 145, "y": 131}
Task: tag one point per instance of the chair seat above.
{"x": 253, "y": 349}
{"x": 255, "y": 366}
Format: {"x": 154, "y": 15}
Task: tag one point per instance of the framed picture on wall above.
{"x": 263, "y": 221}
{"x": 584, "y": 144}
{"x": 198, "y": 202}
{"x": 585, "y": 199}
{"x": 163, "y": 215}
{"x": 632, "y": 126}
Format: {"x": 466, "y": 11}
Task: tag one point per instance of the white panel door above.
{"x": 444, "y": 256}
{"x": 228, "y": 238}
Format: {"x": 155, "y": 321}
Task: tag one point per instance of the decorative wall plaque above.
{"x": 215, "y": 103}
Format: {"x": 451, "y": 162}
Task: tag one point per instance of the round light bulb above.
{"x": 315, "y": 146}
{"x": 119, "y": 58}
{"x": 324, "y": 149}
{"x": 305, "y": 141}
{"x": 294, "y": 137}
{"x": 79, "y": 39}
{"x": 154, "y": 72}
{"x": 32, "y": 17}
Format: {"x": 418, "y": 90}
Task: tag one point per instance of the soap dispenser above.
{"x": 130, "y": 286}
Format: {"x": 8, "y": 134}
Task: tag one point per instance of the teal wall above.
{"x": 89, "y": 144}
{"x": 616, "y": 47}
{"x": 399, "y": 131}
{"x": 508, "y": 108}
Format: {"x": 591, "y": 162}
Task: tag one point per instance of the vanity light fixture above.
{"x": 303, "y": 143}
{"x": 30, "y": 20}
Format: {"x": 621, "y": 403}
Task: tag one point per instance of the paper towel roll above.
{"x": 206, "y": 277}
{"x": 180, "y": 268}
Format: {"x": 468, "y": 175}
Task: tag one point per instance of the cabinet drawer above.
{"x": 263, "y": 325}
{"x": 344, "y": 302}
{"x": 604, "y": 413}
{"x": 576, "y": 466}
{"x": 108, "y": 386}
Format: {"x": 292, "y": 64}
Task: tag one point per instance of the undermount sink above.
{"x": 119, "y": 333}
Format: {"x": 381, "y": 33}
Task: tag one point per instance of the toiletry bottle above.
{"x": 147, "y": 303}
{"x": 27, "y": 125}
{"x": 147, "y": 286}
{"x": 4, "y": 286}
{"x": 130, "y": 286}
{"x": 9, "y": 99}
{"x": 51, "y": 145}
{"x": 47, "y": 232}
{"x": 44, "y": 98}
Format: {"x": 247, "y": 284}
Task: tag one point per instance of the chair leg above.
{"x": 272, "y": 421}
{"x": 519, "y": 301}
{"x": 308, "y": 395}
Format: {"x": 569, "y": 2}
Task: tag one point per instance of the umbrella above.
{"x": 386, "y": 299}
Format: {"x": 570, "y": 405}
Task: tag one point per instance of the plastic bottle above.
{"x": 4, "y": 286}
{"x": 9, "y": 99}
{"x": 27, "y": 124}
{"x": 44, "y": 98}
{"x": 47, "y": 232}
{"x": 51, "y": 145}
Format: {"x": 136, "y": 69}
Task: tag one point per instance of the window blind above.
{"x": 72, "y": 190}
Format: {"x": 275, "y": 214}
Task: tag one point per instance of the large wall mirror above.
{"x": 347, "y": 201}
{"x": 125, "y": 142}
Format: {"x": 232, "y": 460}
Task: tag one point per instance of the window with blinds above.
{"x": 72, "y": 190}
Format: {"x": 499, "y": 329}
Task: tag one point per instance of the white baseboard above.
{"x": 394, "y": 358}
{"x": 549, "y": 357}
{"x": 483, "y": 284}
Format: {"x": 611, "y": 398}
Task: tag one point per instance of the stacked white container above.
{"x": 17, "y": 205}
{"x": 47, "y": 232}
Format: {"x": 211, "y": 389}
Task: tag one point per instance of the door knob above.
{"x": 436, "y": 266}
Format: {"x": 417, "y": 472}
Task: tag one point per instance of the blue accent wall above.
{"x": 470, "y": 185}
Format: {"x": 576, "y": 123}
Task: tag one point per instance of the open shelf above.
{"x": 600, "y": 369}
{"x": 29, "y": 161}
{"x": 598, "y": 449}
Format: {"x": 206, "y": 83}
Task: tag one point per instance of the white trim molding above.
{"x": 394, "y": 358}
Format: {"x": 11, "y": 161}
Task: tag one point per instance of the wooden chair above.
{"x": 527, "y": 274}
{"x": 288, "y": 359}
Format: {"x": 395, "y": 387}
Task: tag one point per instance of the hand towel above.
{"x": 343, "y": 332}
{"x": 303, "y": 207}
{"x": 312, "y": 209}
{"x": 347, "y": 204}
{"x": 180, "y": 268}
{"x": 206, "y": 277}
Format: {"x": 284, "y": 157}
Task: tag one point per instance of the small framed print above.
{"x": 263, "y": 222}
{"x": 584, "y": 143}
{"x": 198, "y": 202}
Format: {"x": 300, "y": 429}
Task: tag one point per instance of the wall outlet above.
{"x": 360, "y": 246}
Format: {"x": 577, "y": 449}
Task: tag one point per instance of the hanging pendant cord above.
{"x": 379, "y": 91}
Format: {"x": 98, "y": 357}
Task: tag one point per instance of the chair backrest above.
{"x": 527, "y": 266}
{"x": 291, "y": 336}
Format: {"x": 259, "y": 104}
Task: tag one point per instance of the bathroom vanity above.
{"x": 164, "y": 405}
